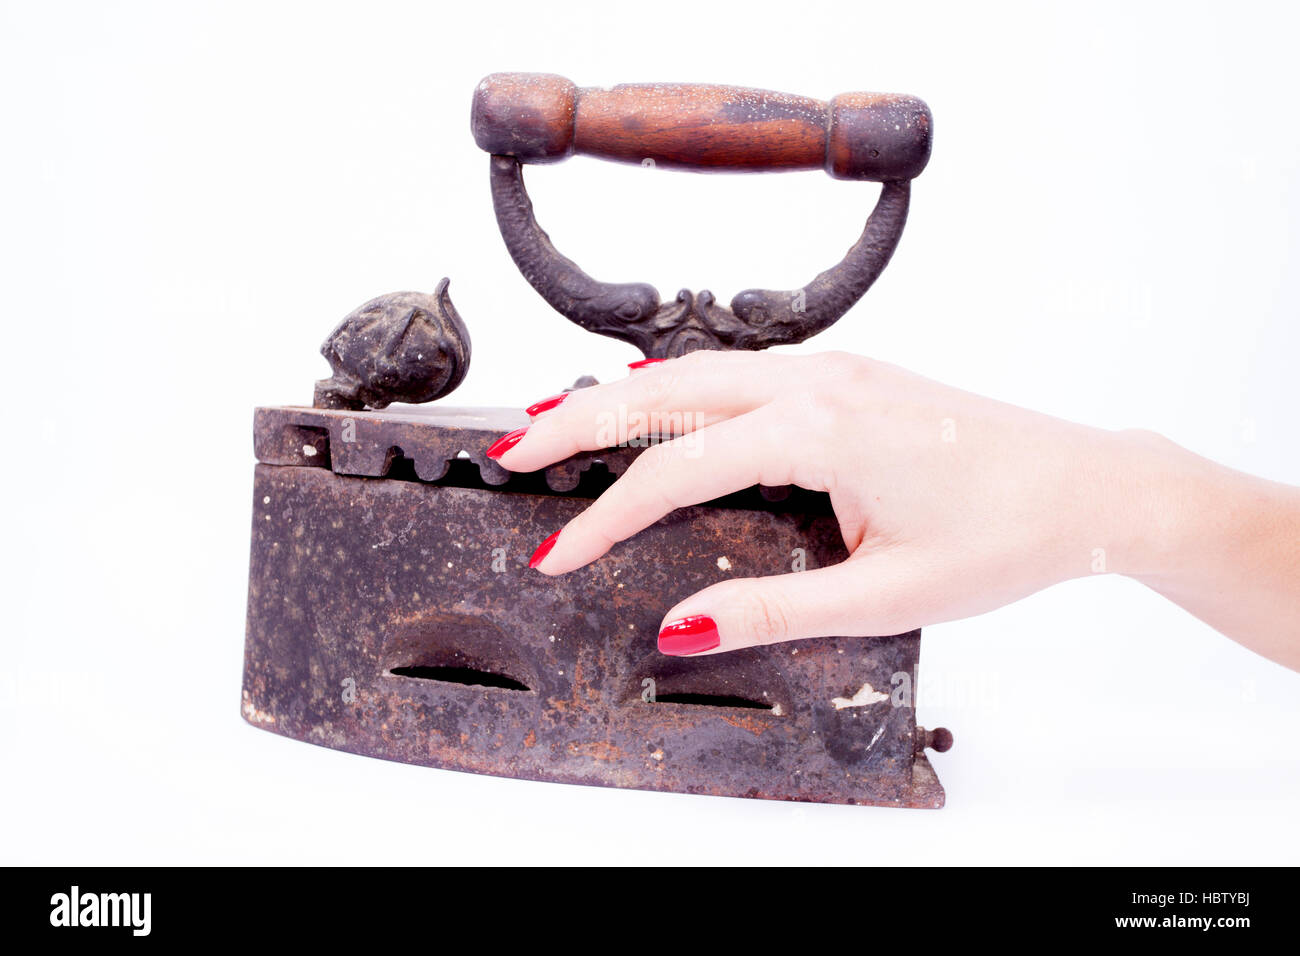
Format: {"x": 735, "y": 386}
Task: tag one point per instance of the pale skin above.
{"x": 950, "y": 504}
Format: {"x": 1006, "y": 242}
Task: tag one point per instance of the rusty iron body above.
{"x": 392, "y": 613}
{"x": 391, "y": 609}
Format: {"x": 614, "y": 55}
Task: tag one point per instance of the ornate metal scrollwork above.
{"x": 633, "y": 312}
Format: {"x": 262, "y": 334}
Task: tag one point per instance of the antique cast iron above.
{"x": 391, "y": 609}
{"x": 400, "y": 347}
{"x": 535, "y": 118}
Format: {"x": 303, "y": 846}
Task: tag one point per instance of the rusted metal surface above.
{"x": 409, "y": 442}
{"x": 632, "y": 311}
{"x": 523, "y": 118}
{"x": 380, "y": 608}
{"x": 391, "y": 609}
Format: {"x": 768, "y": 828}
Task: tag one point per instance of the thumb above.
{"x": 865, "y": 596}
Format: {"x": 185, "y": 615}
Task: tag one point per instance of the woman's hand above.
{"x": 950, "y": 504}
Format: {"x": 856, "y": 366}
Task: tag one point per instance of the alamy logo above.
{"x": 102, "y": 909}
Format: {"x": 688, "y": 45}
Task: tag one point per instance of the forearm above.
{"x": 1222, "y": 544}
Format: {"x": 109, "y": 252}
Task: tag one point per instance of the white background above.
{"x": 193, "y": 195}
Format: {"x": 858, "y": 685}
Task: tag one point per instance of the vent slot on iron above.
{"x": 469, "y": 676}
{"x": 712, "y": 700}
{"x": 451, "y": 651}
{"x": 741, "y": 680}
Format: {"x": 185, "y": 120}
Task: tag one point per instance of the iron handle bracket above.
{"x": 522, "y": 118}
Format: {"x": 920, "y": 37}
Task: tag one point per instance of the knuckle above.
{"x": 660, "y": 386}
{"x": 700, "y": 358}
{"x": 767, "y": 618}
{"x": 644, "y": 487}
{"x": 843, "y": 366}
{"x": 592, "y": 525}
{"x": 654, "y": 465}
{"x": 842, "y": 388}
{"x": 710, "y": 361}
{"x": 822, "y": 415}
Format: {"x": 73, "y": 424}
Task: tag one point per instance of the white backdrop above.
{"x": 191, "y": 197}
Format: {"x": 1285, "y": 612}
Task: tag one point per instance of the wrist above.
{"x": 1159, "y": 505}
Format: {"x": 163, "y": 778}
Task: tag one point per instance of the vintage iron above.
{"x": 391, "y": 610}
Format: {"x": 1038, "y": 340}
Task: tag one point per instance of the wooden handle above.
{"x": 543, "y": 118}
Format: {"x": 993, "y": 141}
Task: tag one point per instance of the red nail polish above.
{"x": 643, "y": 363}
{"x": 546, "y": 404}
{"x": 690, "y": 635}
{"x": 505, "y": 443}
{"x": 543, "y": 550}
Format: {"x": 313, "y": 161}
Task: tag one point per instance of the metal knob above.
{"x": 939, "y": 740}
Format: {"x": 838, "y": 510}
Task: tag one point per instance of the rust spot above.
{"x": 755, "y": 727}
{"x": 601, "y": 750}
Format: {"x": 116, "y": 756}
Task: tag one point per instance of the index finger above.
{"x": 675, "y": 397}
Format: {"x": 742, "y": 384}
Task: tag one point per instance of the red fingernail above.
{"x": 505, "y": 443}
{"x": 546, "y": 404}
{"x": 690, "y": 635}
{"x": 543, "y": 550}
{"x": 643, "y": 363}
